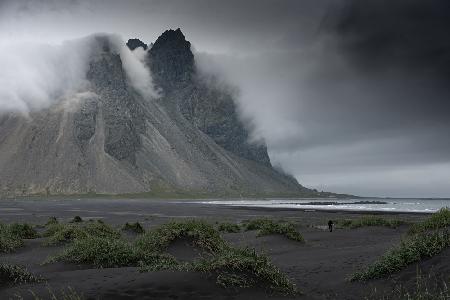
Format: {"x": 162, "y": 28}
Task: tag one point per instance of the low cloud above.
{"x": 35, "y": 76}
{"x": 137, "y": 70}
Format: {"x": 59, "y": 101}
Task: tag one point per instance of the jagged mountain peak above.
{"x": 171, "y": 60}
{"x": 173, "y": 39}
{"x": 132, "y": 44}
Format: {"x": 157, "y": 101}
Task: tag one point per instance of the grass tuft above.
{"x": 23, "y": 230}
{"x": 232, "y": 267}
{"x": 12, "y": 235}
{"x": 151, "y": 262}
{"x": 245, "y": 268}
{"x": 103, "y": 252}
{"x": 201, "y": 233}
{"x": 429, "y": 287}
{"x": 369, "y": 221}
{"x": 440, "y": 219}
{"x": 267, "y": 227}
{"x": 229, "y": 227}
{"x": 58, "y": 233}
{"x": 51, "y": 221}
{"x": 412, "y": 249}
{"x": 15, "y": 274}
{"x": 9, "y": 243}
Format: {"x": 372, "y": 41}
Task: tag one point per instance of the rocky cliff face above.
{"x": 207, "y": 106}
{"x": 123, "y": 124}
{"x": 109, "y": 139}
{"x": 171, "y": 61}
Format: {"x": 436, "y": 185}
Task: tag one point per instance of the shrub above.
{"x": 267, "y": 226}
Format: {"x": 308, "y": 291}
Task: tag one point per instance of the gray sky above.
{"x": 351, "y": 96}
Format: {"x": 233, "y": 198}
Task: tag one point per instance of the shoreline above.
{"x": 220, "y": 203}
{"x": 333, "y": 211}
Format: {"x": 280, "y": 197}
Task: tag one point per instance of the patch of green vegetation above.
{"x": 104, "y": 252}
{"x": 229, "y": 227}
{"x": 201, "y": 233}
{"x": 9, "y": 243}
{"x": 23, "y": 230}
{"x": 15, "y": 274}
{"x": 268, "y": 226}
{"x": 134, "y": 227}
{"x": 12, "y": 235}
{"x": 76, "y": 219}
{"x": 51, "y": 221}
{"x": 232, "y": 267}
{"x": 369, "y": 221}
{"x": 440, "y": 219}
{"x": 412, "y": 249}
{"x": 245, "y": 268}
{"x": 429, "y": 287}
{"x": 151, "y": 262}
{"x": 58, "y": 233}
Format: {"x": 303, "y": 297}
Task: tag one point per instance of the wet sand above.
{"x": 320, "y": 267}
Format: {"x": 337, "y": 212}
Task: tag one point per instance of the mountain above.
{"x": 112, "y": 140}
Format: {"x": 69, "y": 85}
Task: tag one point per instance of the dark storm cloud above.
{"x": 399, "y": 56}
{"x": 351, "y": 96}
{"x": 402, "y": 48}
{"x": 410, "y": 34}
{"x": 369, "y": 92}
{"x": 378, "y": 98}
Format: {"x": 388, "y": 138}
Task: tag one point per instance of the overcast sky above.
{"x": 351, "y": 96}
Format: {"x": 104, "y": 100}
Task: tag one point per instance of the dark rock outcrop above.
{"x": 171, "y": 61}
{"x": 132, "y": 44}
{"x": 109, "y": 83}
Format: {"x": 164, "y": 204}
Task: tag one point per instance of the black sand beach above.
{"x": 320, "y": 267}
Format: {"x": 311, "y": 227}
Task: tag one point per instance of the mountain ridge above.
{"x": 114, "y": 141}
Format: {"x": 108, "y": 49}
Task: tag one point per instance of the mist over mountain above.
{"x": 131, "y": 119}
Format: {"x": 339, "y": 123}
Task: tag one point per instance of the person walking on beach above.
{"x": 330, "y": 225}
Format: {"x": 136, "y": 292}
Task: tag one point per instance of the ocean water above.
{"x": 366, "y": 204}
